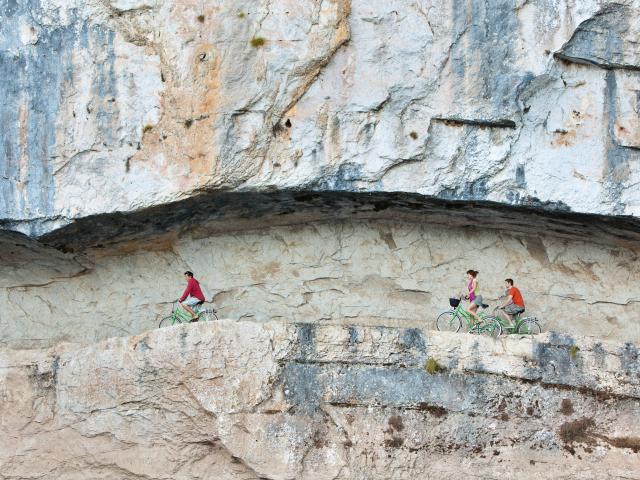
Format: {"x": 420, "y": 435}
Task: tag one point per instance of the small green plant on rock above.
{"x": 432, "y": 366}
{"x": 414, "y": 135}
{"x": 258, "y": 42}
{"x": 573, "y": 352}
{"x": 241, "y": 14}
{"x": 201, "y": 18}
{"x": 147, "y": 128}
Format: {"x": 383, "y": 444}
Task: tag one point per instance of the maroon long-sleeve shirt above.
{"x": 193, "y": 289}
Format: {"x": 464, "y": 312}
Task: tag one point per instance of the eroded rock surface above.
{"x": 118, "y": 105}
{"x": 244, "y": 400}
{"x": 349, "y": 271}
{"x": 327, "y": 162}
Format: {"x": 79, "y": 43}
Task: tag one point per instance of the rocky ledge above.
{"x": 275, "y": 401}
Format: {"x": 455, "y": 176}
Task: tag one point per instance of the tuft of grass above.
{"x": 147, "y": 128}
{"x": 414, "y": 135}
{"x": 241, "y": 14}
{"x": 432, "y": 366}
{"x": 258, "y": 42}
{"x": 188, "y": 123}
{"x": 573, "y": 351}
{"x": 200, "y": 18}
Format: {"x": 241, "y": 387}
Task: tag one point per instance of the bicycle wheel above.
{"x": 529, "y": 327}
{"x": 492, "y": 327}
{"x": 168, "y": 321}
{"x": 208, "y": 315}
{"x": 448, "y": 322}
{"x": 488, "y": 326}
{"x": 476, "y": 329}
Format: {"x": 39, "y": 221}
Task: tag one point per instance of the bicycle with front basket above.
{"x": 180, "y": 315}
{"x": 451, "y": 320}
{"x": 521, "y": 325}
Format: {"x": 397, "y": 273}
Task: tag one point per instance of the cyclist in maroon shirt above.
{"x": 192, "y": 295}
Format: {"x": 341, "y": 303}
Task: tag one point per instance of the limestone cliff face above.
{"x": 119, "y": 105}
{"x": 329, "y": 169}
{"x": 250, "y": 401}
{"x": 369, "y": 272}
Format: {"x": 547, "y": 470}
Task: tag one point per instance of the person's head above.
{"x": 508, "y": 282}
{"x": 188, "y": 274}
{"x": 472, "y": 274}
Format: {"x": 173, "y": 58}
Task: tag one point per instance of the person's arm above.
{"x": 187, "y": 291}
{"x": 508, "y": 302}
{"x": 474, "y": 286}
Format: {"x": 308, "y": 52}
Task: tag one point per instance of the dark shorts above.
{"x": 513, "y": 309}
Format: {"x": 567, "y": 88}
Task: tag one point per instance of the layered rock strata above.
{"x": 138, "y": 136}
{"x": 380, "y": 272}
{"x": 327, "y": 162}
{"x": 118, "y": 105}
{"x": 275, "y": 401}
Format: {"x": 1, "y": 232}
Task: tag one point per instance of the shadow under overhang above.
{"x": 216, "y": 212}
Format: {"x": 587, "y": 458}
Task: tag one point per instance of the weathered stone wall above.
{"x": 285, "y": 152}
{"x": 114, "y": 105}
{"x": 367, "y": 272}
{"x": 250, "y": 401}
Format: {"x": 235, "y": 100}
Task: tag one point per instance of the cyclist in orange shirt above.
{"x": 514, "y": 305}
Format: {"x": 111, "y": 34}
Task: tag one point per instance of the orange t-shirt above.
{"x": 516, "y": 297}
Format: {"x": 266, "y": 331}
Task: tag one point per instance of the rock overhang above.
{"x": 226, "y": 211}
{"x": 475, "y": 111}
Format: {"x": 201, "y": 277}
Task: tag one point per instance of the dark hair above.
{"x": 509, "y": 281}
{"x": 473, "y": 273}
{"x": 189, "y": 273}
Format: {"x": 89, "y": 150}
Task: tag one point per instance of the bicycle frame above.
{"x": 179, "y": 314}
{"x": 463, "y": 313}
{"x": 481, "y": 326}
{"x": 452, "y": 320}
{"x": 518, "y": 320}
{"x": 530, "y": 324}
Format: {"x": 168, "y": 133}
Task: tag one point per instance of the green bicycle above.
{"x": 451, "y": 320}
{"x": 180, "y": 315}
{"x": 521, "y": 325}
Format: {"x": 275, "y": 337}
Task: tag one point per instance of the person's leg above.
{"x": 510, "y": 312}
{"x": 188, "y": 303}
{"x": 472, "y": 308}
{"x": 188, "y": 309}
{"x": 475, "y": 305}
{"x": 197, "y": 310}
{"x": 501, "y": 314}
